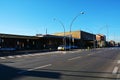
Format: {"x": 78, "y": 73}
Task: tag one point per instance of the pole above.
{"x": 64, "y": 41}
{"x": 70, "y": 37}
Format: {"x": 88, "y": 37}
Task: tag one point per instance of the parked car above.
{"x": 64, "y": 47}
{"x": 74, "y": 47}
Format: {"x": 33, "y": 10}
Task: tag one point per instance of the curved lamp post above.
{"x": 71, "y": 26}
{"x": 64, "y": 41}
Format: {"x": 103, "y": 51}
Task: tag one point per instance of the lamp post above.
{"x": 70, "y": 37}
{"x": 64, "y": 41}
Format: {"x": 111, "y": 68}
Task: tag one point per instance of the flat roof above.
{"x": 17, "y": 36}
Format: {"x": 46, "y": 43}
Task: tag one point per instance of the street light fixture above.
{"x": 70, "y": 37}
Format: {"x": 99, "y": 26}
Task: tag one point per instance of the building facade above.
{"x": 19, "y": 42}
{"x": 81, "y": 39}
{"x": 112, "y": 43}
{"x": 84, "y": 39}
{"x": 101, "y": 40}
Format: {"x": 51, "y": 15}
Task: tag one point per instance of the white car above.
{"x": 64, "y": 47}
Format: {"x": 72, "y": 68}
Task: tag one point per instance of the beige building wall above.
{"x": 100, "y": 37}
{"x": 78, "y": 35}
{"x": 75, "y": 34}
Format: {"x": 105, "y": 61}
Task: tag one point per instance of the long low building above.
{"x": 81, "y": 39}
{"x": 19, "y": 42}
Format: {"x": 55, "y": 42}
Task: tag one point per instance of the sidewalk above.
{"x": 20, "y": 52}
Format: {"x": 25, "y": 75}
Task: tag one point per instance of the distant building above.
{"x": 101, "y": 40}
{"x": 85, "y": 39}
{"x": 81, "y": 39}
{"x": 20, "y": 42}
{"x": 118, "y": 44}
{"x": 112, "y": 43}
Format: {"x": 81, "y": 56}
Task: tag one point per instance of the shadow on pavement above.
{"x": 10, "y": 73}
{"x": 85, "y": 74}
{"x": 77, "y": 71}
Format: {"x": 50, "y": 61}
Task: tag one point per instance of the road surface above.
{"x": 97, "y": 64}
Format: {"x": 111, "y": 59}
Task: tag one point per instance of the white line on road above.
{"x": 30, "y": 54}
{"x": 20, "y": 72}
{"x": 72, "y": 52}
{"x": 74, "y": 58}
{"x": 64, "y": 52}
{"x": 18, "y": 56}
{"x": 118, "y": 61}
{"x": 115, "y": 70}
{"x": 90, "y": 54}
{"x": 24, "y": 55}
{"x": 11, "y": 57}
{"x": 2, "y": 58}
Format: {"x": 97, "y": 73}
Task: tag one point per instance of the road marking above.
{"x": 31, "y": 55}
{"x": 18, "y": 56}
{"x": 36, "y": 54}
{"x": 2, "y": 58}
{"x": 25, "y": 55}
{"x": 64, "y": 52}
{"x": 115, "y": 70}
{"x": 90, "y": 54}
{"x": 75, "y": 58}
{"x": 20, "y": 72}
{"x": 118, "y": 61}
{"x": 11, "y": 57}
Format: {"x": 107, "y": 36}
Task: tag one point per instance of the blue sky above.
{"x": 30, "y": 17}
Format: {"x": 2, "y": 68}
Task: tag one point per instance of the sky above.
{"x": 31, "y": 17}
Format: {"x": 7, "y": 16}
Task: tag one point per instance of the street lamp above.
{"x": 64, "y": 41}
{"x": 71, "y": 26}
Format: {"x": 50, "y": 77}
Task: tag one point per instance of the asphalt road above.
{"x": 97, "y": 64}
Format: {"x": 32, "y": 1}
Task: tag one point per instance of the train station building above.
{"x": 81, "y": 39}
